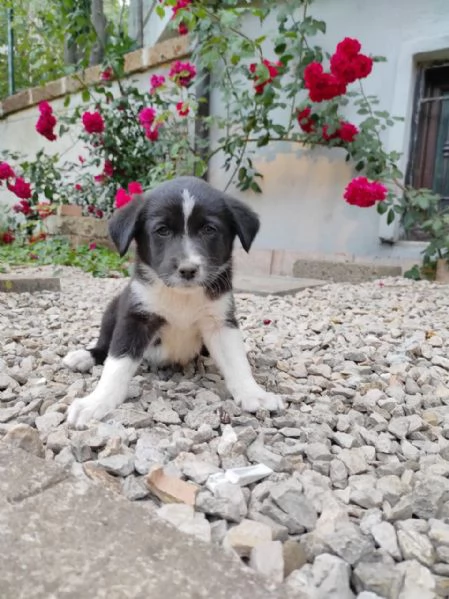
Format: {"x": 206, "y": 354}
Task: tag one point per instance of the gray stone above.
{"x": 7, "y": 381}
{"x": 331, "y": 575}
{"x": 259, "y": 454}
{"x": 354, "y": 459}
{"x": 385, "y": 537}
{"x": 81, "y": 451}
{"x": 439, "y": 532}
{"x": 194, "y": 468}
{"x": 133, "y": 488}
{"x": 344, "y": 440}
{"x": 120, "y": 464}
{"x": 161, "y": 411}
{"x": 267, "y": 559}
{"x": 247, "y": 535}
{"x": 48, "y": 422}
{"x": 7, "y": 414}
{"x": 147, "y": 452}
{"x": 289, "y": 498}
{"x": 318, "y": 451}
{"x": 25, "y": 437}
{"x": 378, "y": 576}
{"x": 392, "y": 488}
{"x": 226, "y": 502}
{"x": 429, "y": 495}
{"x": 368, "y": 595}
{"x": 57, "y": 440}
{"x": 338, "y": 474}
{"x": 127, "y": 416}
{"x": 184, "y": 518}
{"x": 294, "y": 556}
{"x": 416, "y": 546}
{"x": 419, "y": 583}
{"x": 348, "y": 542}
{"x": 203, "y": 415}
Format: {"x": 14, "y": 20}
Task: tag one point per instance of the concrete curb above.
{"x": 66, "y": 538}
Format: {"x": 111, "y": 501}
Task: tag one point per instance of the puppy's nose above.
{"x": 188, "y": 271}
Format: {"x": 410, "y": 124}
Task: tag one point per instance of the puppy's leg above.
{"x": 82, "y": 360}
{"x": 131, "y": 336}
{"x": 226, "y": 347}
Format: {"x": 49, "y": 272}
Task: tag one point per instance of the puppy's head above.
{"x": 184, "y": 230}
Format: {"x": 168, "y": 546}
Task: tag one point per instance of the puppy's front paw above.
{"x": 79, "y": 360}
{"x": 259, "y": 398}
{"x": 85, "y": 409}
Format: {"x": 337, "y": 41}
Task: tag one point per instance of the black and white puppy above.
{"x": 179, "y": 297}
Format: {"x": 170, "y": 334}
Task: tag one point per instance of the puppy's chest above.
{"x": 187, "y": 315}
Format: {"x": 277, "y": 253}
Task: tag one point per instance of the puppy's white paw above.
{"x": 259, "y": 398}
{"x": 79, "y": 360}
{"x": 85, "y": 409}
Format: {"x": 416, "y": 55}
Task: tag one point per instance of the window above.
{"x": 429, "y": 158}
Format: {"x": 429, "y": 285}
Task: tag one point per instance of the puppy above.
{"x": 179, "y": 298}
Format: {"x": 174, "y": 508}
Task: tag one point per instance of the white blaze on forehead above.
{"x": 188, "y": 202}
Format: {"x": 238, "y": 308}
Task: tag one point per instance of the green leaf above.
{"x": 390, "y": 216}
{"x": 85, "y": 95}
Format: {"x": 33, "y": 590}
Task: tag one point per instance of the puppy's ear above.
{"x": 122, "y": 225}
{"x": 246, "y": 221}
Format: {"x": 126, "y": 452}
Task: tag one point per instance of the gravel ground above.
{"x": 357, "y": 503}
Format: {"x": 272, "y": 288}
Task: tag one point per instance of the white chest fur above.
{"x": 187, "y": 312}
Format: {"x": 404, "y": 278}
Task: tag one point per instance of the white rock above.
{"x": 186, "y": 519}
{"x": 247, "y": 535}
{"x": 267, "y": 558}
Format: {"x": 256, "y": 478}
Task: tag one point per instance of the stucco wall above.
{"x": 301, "y": 207}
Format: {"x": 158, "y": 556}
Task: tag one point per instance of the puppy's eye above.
{"x": 163, "y": 231}
{"x": 208, "y": 229}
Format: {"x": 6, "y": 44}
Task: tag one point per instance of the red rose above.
{"x": 182, "y": 73}
{"x": 183, "y": 29}
{"x": 106, "y": 75}
{"x": 99, "y": 213}
{"x": 93, "y": 122}
{"x": 134, "y": 187}
{"x": 349, "y": 46}
{"x": 8, "y": 237}
{"x": 99, "y": 179}
{"x": 273, "y": 72}
{"x": 81, "y": 159}
{"x": 363, "y": 193}
{"x": 182, "y": 108}
{"x": 78, "y": 187}
{"x": 91, "y": 209}
{"x": 121, "y": 198}
{"x": 321, "y": 85}
{"x": 155, "y": 82}
{"x": 147, "y": 116}
{"x": 180, "y": 5}
{"x": 92, "y": 245}
{"x": 305, "y": 120}
{"x": 152, "y": 133}
{"x": 108, "y": 169}
{"x": 6, "y": 171}
{"x": 347, "y": 132}
{"x": 23, "y": 207}
{"x": 46, "y": 121}
{"x": 21, "y": 188}
{"x": 347, "y": 64}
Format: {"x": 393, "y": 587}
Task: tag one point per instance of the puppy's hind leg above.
{"x": 82, "y": 360}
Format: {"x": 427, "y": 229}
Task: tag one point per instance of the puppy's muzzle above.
{"x": 188, "y": 270}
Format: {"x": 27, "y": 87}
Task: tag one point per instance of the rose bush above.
{"x": 275, "y": 87}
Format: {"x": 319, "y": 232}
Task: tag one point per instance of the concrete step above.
{"x": 65, "y": 538}
{"x": 272, "y": 284}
